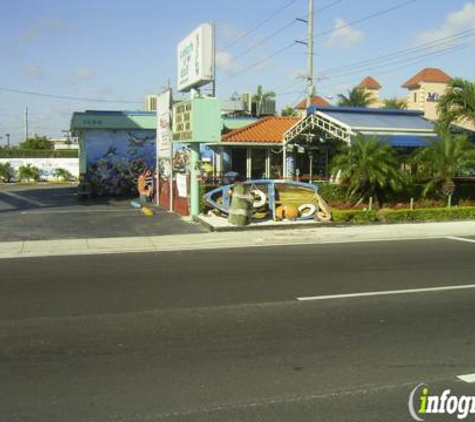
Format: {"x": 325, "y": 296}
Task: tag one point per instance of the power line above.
{"x": 401, "y": 53}
{"x": 264, "y": 40}
{"x": 260, "y": 24}
{"x": 66, "y": 97}
{"x": 368, "y": 17}
{"x": 252, "y": 66}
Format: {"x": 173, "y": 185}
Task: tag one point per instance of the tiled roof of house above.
{"x": 316, "y": 101}
{"x": 267, "y": 130}
{"x": 429, "y": 74}
{"x": 369, "y": 83}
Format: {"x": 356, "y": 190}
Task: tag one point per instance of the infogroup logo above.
{"x": 422, "y": 403}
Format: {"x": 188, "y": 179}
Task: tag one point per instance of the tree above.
{"x": 260, "y": 97}
{"x": 368, "y": 167}
{"x": 357, "y": 97}
{"x": 289, "y": 111}
{"x": 395, "y": 104}
{"x": 29, "y": 172}
{"x": 458, "y": 103}
{"x": 443, "y": 160}
{"x": 37, "y": 142}
{"x": 7, "y": 173}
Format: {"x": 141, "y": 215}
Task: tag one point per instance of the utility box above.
{"x": 197, "y": 120}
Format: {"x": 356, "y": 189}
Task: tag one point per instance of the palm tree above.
{"x": 260, "y": 97}
{"x": 368, "y": 167}
{"x": 395, "y": 104}
{"x": 444, "y": 159}
{"x": 357, "y": 97}
{"x": 289, "y": 111}
{"x": 458, "y": 102}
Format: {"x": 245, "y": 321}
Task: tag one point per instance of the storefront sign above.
{"x": 433, "y": 97}
{"x": 196, "y": 58}
{"x": 164, "y": 133}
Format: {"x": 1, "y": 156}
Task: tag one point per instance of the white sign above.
{"x": 164, "y": 133}
{"x": 181, "y": 185}
{"x": 196, "y": 58}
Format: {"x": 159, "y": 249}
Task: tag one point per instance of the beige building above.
{"x": 372, "y": 86}
{"x": 151, "y": 102}
{"x": 425, "y": 89}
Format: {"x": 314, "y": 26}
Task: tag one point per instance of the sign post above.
{"x": 197, "y": 120}
{"x": 164, "y": 146}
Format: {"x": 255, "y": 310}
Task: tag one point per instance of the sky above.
{"x": 61, "y": 56}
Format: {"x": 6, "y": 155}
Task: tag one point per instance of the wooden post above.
{"x": 411, "y": 205}
{"x": 370, "y": 205}
{"x": 240, "y": 209}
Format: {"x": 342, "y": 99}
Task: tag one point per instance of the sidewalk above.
{"x": 254, "y": 238}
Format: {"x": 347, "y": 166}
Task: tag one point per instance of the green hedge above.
{"x": 427, "y": 214}
{"x": 337, "y": 193}
{"x": 353, "y": 216}
{"x": 37, "y": 153}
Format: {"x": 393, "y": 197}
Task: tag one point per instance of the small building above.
{"x": 425, "y": 89}
{"x": 256, "y": 150}
{"x": 317, "y": 101}
{"x": 371, "y": 86}
{"x": 114, "y": 147}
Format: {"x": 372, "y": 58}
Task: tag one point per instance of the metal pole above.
{"x": 310, "y": 54}
{"x": 213, "y": 25}
{"x": 194, "y": 180}
{"x": 26, "y": 123}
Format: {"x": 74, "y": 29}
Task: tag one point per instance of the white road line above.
{"x": 388, "y": 293}
{"x": 24, "y": 199}
{"x": 470, "y": 378}
{"x": 461, "y": 239}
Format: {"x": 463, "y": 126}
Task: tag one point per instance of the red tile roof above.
{"x": 267, "y": 130}
{"x": 369, "y": 83}
{"x": 316, "y": 101}
{"x": 429, "y": 74}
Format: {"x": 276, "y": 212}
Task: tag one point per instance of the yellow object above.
{"x": 148, "y": 212}
{"x": 289, "y": 212}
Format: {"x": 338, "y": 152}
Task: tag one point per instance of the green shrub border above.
{"x": 404, "y": 215}
{"x": 37, "y": 153}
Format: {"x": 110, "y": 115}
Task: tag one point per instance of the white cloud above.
{"x": 453, "y": 23}
{"x": 35, "y": 71}
{"x": 83, "y": 74}
{"x": 41, "y": 27}
{"x": 226, "y": 62}
{"x": 343, "y": 35}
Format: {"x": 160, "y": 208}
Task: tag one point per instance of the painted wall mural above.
{"x": 115, "y": 158}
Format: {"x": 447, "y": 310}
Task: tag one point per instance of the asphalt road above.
{"x": 220, "y": 335}
{"x": 44, "y": 212}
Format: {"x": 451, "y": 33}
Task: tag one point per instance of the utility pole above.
{"x": 26, "y": 123}
{"x": 310, "y": 54}
{"x": 8, "y": 139}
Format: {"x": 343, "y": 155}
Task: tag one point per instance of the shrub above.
{"x": 7, "y": 173}
{"x": 353, "y": 216}
{"x": 332, "y": 193}
{"x": 427, "y": 214}
{"x": 28, "y": 172}
{"x": 63, "y": 174}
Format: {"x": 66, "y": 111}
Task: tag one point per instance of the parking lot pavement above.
{"x": 42, "y": 212}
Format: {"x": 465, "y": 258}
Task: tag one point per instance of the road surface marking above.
{"x": 24, "y": 199}
{"x": 388, "y": 293}
{"x": 74, "y": 211}
{"x": 470, "y": 378}
{"x": 461, "y": 239}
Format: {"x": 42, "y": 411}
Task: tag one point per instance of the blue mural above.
{"x": 115, "y": 158}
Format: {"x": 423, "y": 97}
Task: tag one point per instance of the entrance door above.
{"x": 238, "y": 160}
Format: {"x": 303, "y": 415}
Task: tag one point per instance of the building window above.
{"x": 415, "y": 97}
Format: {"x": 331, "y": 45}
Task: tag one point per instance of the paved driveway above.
{"x": 39, "y": 212}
